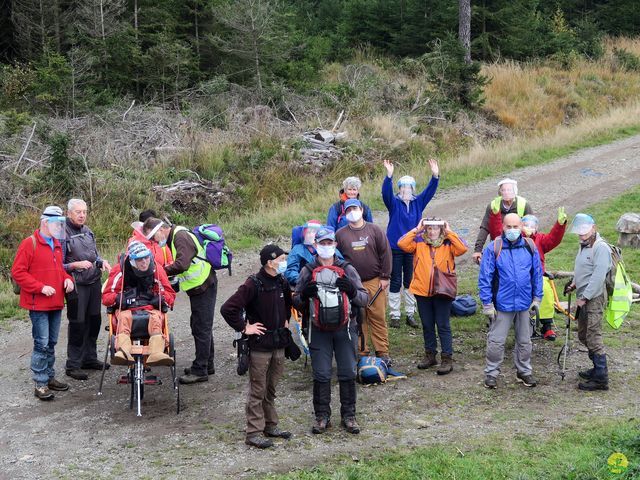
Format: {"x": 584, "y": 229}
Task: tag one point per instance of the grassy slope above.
{"x": 579, "y": 452}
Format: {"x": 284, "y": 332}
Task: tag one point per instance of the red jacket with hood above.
{"x": 545, "y": 242}
{"x": 35, "y": 266}
{"x": 162, "y": 255}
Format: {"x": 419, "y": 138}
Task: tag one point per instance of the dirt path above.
{"x": 80, "y": 435}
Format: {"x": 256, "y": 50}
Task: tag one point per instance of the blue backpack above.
{"x": 372, "y": 370}
{"x": 464, "y": 306}
{"x": 296, "y": 235}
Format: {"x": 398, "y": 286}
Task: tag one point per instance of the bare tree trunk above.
{"x": 43, "y": 32}
{"x": 197, "y": 29}
{"x": 135, "y": 18}
{"x": 256, "y": 52}
{"x": 56, "y": 23}
{"x": 104, "y": 41}
{"x": 464, "y": 27}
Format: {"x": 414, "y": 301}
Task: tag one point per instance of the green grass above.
{"x": 575, "y": 453}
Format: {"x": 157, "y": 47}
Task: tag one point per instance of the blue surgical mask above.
{"x": 162, "y": 243}
{"x": 512, "y": 234}
{"x": 282, "y": 267}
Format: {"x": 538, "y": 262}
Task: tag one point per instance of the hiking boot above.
{"x": 599, "y": 378}
{"x": 550, "y": 335}
{"x": 210, "y": 370}
{"x": 122, "y": 356}
{"x": 277, "y": 433}
{"x": 76, "y": 373}
{"x": 350, "y": 425}
{"x": 43, "y": 393}
{"x": 446, "y": 364}
{"x": 428, "y": 361}
{"x": 95, "y": 365}
{"x": 191, "y": 379}
{"x": 490, "y": 382}
{"x": 320, "y": 425}
{"x": 157, "y": 357}
{"x": 259, "y": 441}
{"x": 394, "y": 322}
{"x": 411, "y": 321}
{"x": 57, "y": 386}
{"x": 527, "y": 380}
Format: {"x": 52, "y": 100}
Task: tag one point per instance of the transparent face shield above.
{"x": 582, "y": 224}
{"x": 508, "y": 192}
{"x": 529, "y": 225}
{"x": 55, "y": 225}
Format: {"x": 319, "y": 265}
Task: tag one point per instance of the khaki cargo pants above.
{"x": 265, "y": 370}
{"x": 590, "y": 325}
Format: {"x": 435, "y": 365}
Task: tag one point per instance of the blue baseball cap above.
{"x": 325, "y": 233}
{"x": 352, "y": 202}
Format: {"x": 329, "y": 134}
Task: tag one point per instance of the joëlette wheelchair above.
{"x": 136, "y": 375}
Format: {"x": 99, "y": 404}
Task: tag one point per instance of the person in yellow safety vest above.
{"x": 507, "y": 201}
{"x": 545, "y": 242}
{"x": 198, "y": 279}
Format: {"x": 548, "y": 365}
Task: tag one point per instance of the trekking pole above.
{"x": 104, "y": 364}
{"x": 565, "y": 348}
{"x": 375, "y": 296}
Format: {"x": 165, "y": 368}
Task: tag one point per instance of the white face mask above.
{"x": 354, "y": 216}
{"x": 326, "y": 251}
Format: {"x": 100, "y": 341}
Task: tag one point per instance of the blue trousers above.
{"x": 45, "y": 327}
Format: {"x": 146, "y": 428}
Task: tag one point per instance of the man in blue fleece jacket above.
{"x": 405, "y": 211}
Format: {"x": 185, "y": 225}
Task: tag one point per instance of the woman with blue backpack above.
{"x": 337, "y": 216}
{"x": 434, "y": 246}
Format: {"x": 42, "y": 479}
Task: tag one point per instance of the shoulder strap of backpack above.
{"x": 530, "y": 245}
{"x": 497, "y": 247}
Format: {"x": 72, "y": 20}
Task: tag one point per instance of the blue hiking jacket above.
{"x": 519, "y": 276}
{"x": 403, "y": 217}
{"x": 298, "y": 257}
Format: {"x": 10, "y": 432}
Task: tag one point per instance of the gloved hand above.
{"x": 310, "y": 291}
{"x": 118, "y": 301}
{"x": 164, "y": 307}
{"x": 562, "y": 216}
{"x": 490, "y": 311}
{"x": 345, "y": 285}
{"x": 534, "y": 309}
{"x": 569, "y": 287}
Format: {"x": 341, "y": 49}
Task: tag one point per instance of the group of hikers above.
{"x": 339, "y": 276}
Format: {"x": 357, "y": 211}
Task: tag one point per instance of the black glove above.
{"x": 118, "y": 301}
{"x": 311, "y": 290}
{"x": 568, "y": 288}
{"x": 164, "y": 307}
{"x": 345, "y": 285}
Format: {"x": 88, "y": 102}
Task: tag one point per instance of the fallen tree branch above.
{"x": 128, "y": 109}
{"x": 26, "y": 146}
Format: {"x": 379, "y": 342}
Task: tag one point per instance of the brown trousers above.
{"x": 375, "y": 323}
{"x": 265, "y": 370}
{"x": 125, "y": 320}
{"x": 590, "y": 325}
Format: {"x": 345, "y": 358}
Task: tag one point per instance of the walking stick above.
{"x": 565, "y": 349}
{"x": 375, "y": 297}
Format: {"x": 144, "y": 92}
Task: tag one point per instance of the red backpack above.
{"x": 330, "y": 309}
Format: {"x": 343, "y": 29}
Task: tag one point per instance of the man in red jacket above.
{"x": 39, "y": 272}
{"x": 545, "y": 242}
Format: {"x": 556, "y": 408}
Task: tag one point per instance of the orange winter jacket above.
{"x": 444, "y": 258}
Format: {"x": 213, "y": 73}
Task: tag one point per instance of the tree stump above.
{"x": 628, "y": 228}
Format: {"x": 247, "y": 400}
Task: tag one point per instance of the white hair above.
{"x": 352, "y": 182}
{"x": 75, "y": 201}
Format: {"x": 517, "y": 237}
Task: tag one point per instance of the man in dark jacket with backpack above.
{"x": 327, "y": 291}
{"x": 510, "y": 284}
{"x": 266, "y": 299}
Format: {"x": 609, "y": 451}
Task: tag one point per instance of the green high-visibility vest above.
{"x": 199, "y": 270}
{"x": 620, "y": 300}
{"x": 521, "y": 202}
